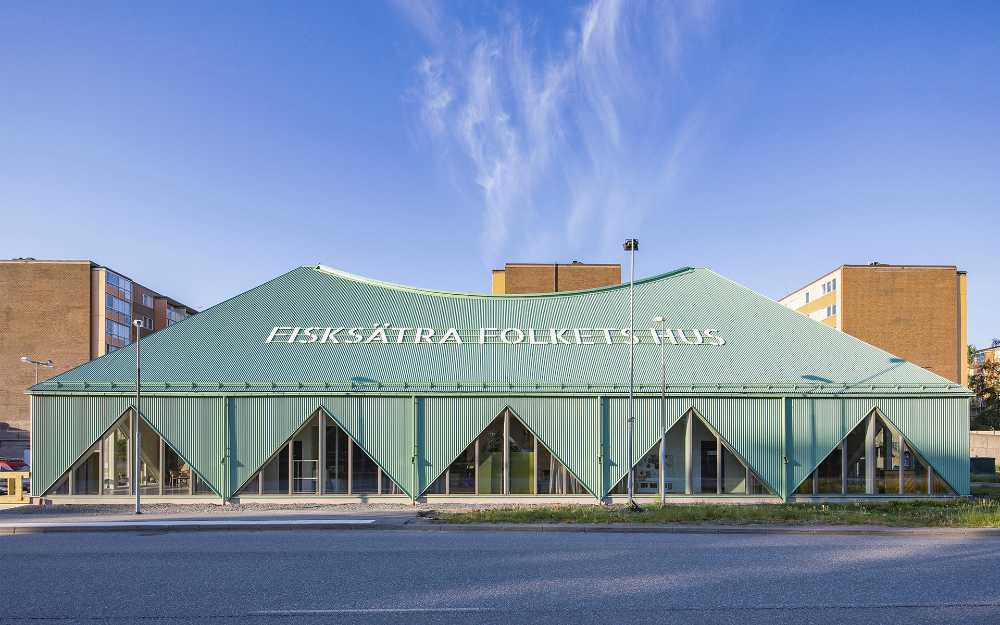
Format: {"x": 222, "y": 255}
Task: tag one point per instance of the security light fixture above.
{"x": 28, "y": 360}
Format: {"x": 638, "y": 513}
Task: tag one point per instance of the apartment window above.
{"x": 117, "y": 330}
{"x": 807, "y": 297}
{"x": 118, "y": 312}
{"x": 174, "y": 315}
{"x": 117, "y": 305}
{"x": 980, "y": 358}
{"x": 123, "y": 286}
{"x": 147, "y": 301}
{"x": 830, "y": 286}
{"x": 831, "y": 310}
{"x": 147, "y": 323}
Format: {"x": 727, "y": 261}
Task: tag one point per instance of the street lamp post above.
{"x": 663, "y": 413}
{"x": 138, "y": 399}
{"x": 631, "y": 246}
{"x": 28, "y": 360}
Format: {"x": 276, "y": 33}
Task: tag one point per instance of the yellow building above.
{"x": 985, "y": 355}
{"x": 916, "y": 312}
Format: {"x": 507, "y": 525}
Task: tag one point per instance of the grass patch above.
{"x": 963, "y": 513}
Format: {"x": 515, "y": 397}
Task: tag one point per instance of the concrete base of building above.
{"x": 483, "y": 500}
{"x": 124, "y": 500}
{"x": 869, "y": 498}
{"x": 703, "y": 499}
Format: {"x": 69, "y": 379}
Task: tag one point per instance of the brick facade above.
{"x": 912, "y": 312}
{"x": 45, "y": 314}
{"x": 554, "y": 277}
{"x": 54, "y": 310}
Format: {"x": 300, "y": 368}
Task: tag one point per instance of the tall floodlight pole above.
{"x": 663, "y": 413}
{"x": 138, "y": 400}
{"x": 631, "y": 246}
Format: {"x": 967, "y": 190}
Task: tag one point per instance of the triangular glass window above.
{"x": 531, "y": 468}
{"x": 107, "y": 467}
{"x": 346, "y": 469}
{"x": 716, "y": 469}
{"x": 896, "y": 469}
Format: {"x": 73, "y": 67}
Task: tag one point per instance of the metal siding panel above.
{"x": 817, "y": 427}
{"x": 857, "y": 409}
{"x": 569, "y": 427}
{"x": 939, "y": 430}
{"x": 753, "y": 428}
{"x": 195, "y": 427}
{"x": 383, "y": 428}
{"x": 646, "y": 434}
{"x": 63, "y": 428}
{"x": 447, "y": 427}
{"x": 259, "y": 426}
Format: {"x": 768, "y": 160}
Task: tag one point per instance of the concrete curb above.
{"x": 419, "y": 524}
{"x": 187, "y": 525}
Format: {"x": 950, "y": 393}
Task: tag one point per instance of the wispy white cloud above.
{"x": 571, "y": 145}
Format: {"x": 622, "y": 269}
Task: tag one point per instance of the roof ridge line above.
{"x": 444, "y": 293}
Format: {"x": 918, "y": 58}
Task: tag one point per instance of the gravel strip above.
{"x": 245, "y": 508}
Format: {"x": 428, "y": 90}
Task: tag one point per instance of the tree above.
{"x": 971, "y": 354}
{"x": 986, "y": 386}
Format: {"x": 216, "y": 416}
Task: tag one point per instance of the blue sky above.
{"x": 204, "y": 148}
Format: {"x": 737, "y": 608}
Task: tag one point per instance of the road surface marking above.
{"x": 364, "y": 611}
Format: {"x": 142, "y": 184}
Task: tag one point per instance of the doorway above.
{"x": 709, "y": 467}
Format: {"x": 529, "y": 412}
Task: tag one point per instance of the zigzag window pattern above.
{"x": 107, "y": 467}
{"x": 697, "y": 462}
{"x": 506, "y": 459}
{"x": 874, "y": 459}
{"x": 296, "y": 467}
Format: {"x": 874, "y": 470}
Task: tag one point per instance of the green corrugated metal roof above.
{"x": 768, "y": 349}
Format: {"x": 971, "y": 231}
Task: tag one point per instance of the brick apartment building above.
{"x": 69, "y": 312}
{"x": 916, "y": 312}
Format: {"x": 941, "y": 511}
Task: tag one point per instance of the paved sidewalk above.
{"x": 409, "y": 519}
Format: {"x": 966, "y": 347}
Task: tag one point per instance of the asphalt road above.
{"x": 405, "y": 576}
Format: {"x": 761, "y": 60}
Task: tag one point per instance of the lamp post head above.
{"x": 658, "y": 319}
{"x": 631, "y": 245}
{"x": 137, "y": 323}
{"x": 28, "y": 360}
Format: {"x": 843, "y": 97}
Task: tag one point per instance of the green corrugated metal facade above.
{"x": 782, "y": 391}
{"x": 195, "y": 427}
{"x": 63, "y": 428}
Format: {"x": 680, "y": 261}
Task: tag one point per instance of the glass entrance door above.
{"x": 709, "y": 468}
